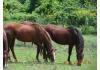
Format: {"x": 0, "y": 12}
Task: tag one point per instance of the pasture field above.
{"x": 27, "y": 61}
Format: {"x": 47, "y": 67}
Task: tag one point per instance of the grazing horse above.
{"x": 30, "y": 33}
{"x": 5, "y": 49}
{"x": 67, "y": 36}
{"x": 45, "y": 55}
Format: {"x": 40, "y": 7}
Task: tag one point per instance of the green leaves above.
{"x": 66, "y": 12}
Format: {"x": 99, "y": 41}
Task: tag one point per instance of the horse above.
{"x": 45, "y": 56}
{"x": 5, "y": 50}
{"x": 67, "y": 36}
{"x": 30, "y": 33}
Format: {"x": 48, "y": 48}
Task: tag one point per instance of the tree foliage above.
{"x": 66, "y": 12}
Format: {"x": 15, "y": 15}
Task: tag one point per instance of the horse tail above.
{"x": 79, "y": 38}
{"x": 79, "y": 47}
{"x": 79, "y": 44}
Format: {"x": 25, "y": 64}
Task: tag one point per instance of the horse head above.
{"x": 51, "y": 55}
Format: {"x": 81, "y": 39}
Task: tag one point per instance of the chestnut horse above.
{"x": 67, "y": 36}
{"x": 5, "y": 49}
{"x": 30, "y": 33}
{"x": 45, "y": 56}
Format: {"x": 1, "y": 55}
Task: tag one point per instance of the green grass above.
{"x": 27, "y": 61}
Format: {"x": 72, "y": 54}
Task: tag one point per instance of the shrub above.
{"x": 88, "y": 29}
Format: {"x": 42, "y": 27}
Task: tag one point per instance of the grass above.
{"x": 27, "y": 61}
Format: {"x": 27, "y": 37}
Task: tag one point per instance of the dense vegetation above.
{"x": 79, "y": 13}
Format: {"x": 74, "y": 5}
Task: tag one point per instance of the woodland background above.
{"x": 78, "y": 13}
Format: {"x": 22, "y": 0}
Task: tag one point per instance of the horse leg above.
{"x": 6, "y": 60}
{"x": 5, "y": 56}
{"x": 9, "y": 54}
{"x": 69, "y": 53}
{"x": 37, "y": 55}
{"x": 79, "y": 51}
{"x": 9, "y": 45}
{"x": 12, "y": 49}
{"x": 44, "y": 55}
{"x": 10, "y": 39}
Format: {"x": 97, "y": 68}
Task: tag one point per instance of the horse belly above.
{"x": 60, "y": 41}
{"x": 24, "y": 39}
{"x": 62, "y": 38}
{"x": 25, "y": 36}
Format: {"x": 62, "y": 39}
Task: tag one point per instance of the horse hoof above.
{"x": 67, "y": 62}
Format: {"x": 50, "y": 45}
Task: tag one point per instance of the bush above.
{"x": 6, "y": 16}
{"x": 20, "y": 16}
{"x": 82, "y": 17}
{"x": 88, "y": 29}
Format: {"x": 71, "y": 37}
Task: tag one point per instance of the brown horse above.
{"x": 5, "y": 49}
{"x": 30, "y": 33}
{"x": 67, "y": 36}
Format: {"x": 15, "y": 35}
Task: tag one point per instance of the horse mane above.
{"x": 47, "y": 43}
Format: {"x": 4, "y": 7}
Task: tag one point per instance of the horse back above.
{"x": 58, "y": 34}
